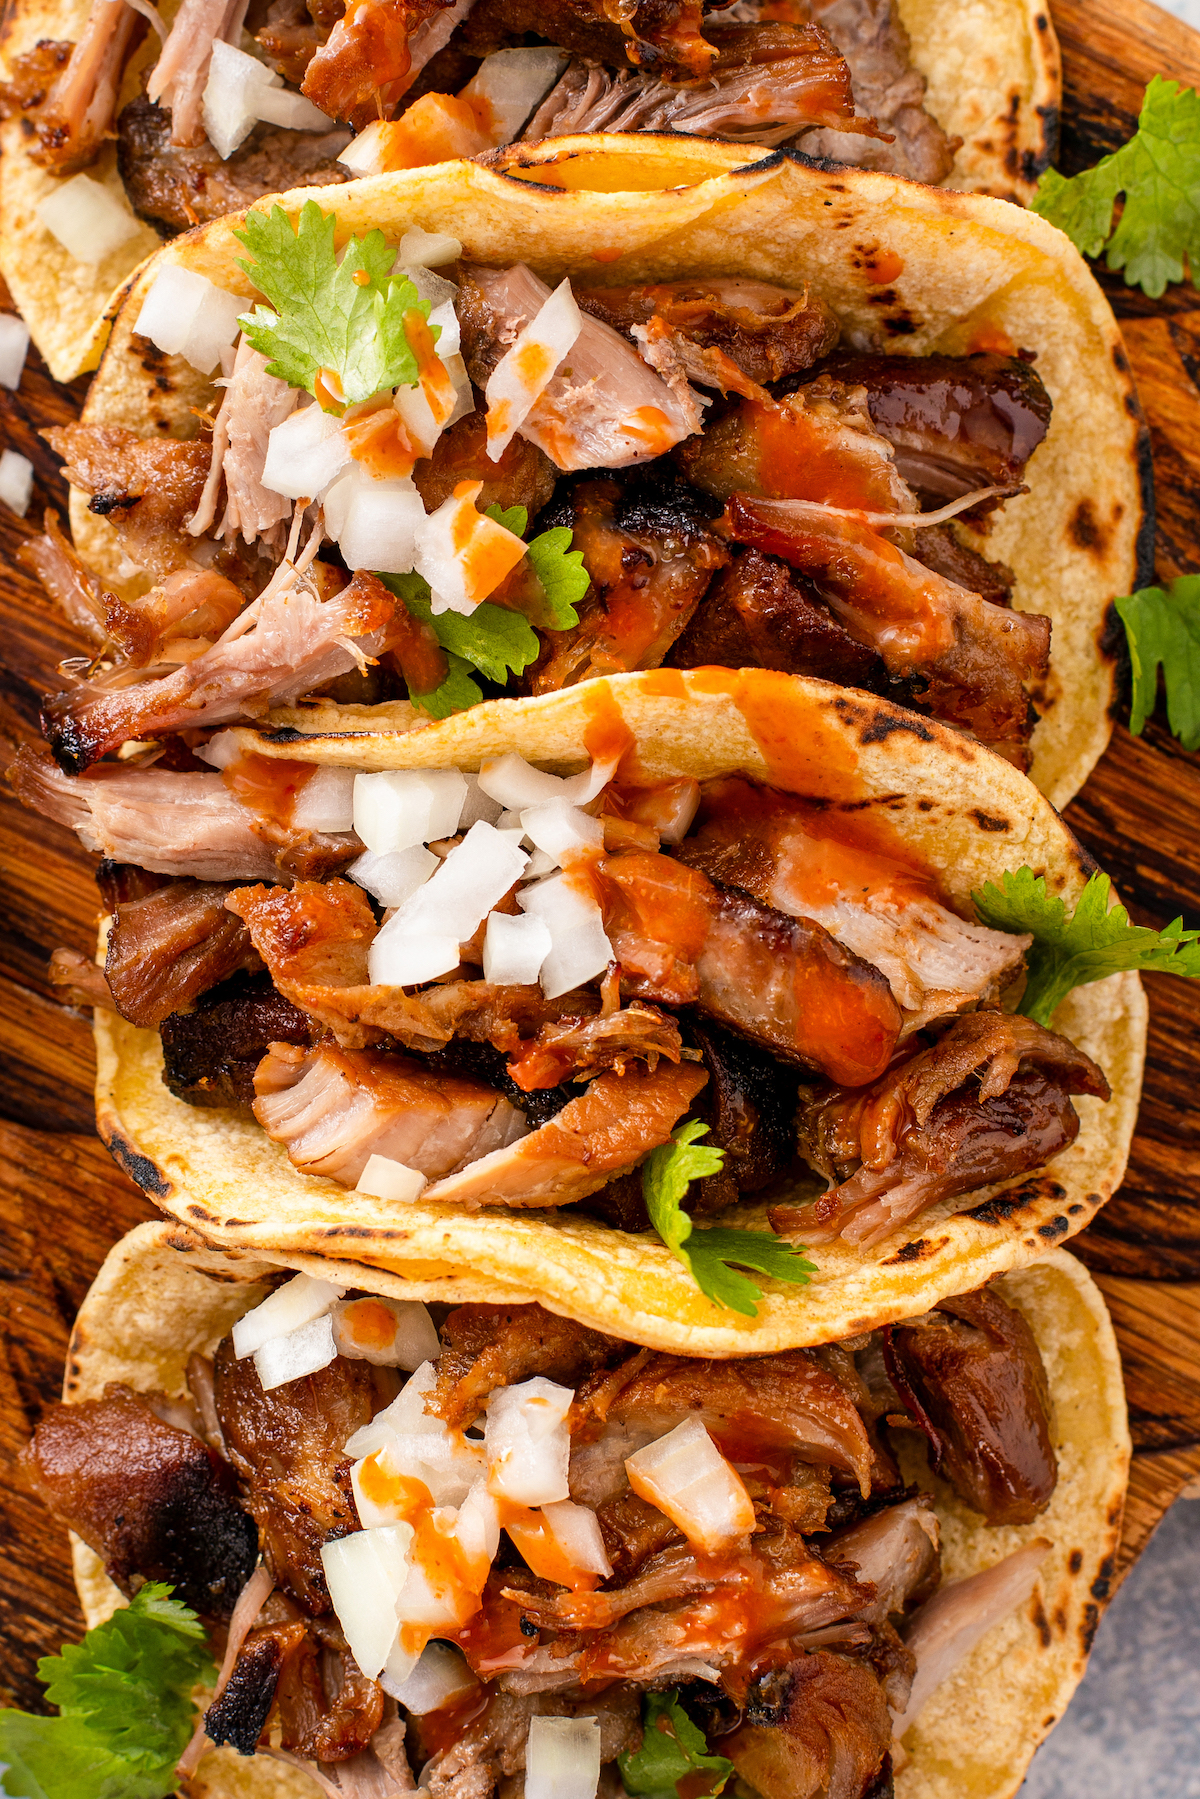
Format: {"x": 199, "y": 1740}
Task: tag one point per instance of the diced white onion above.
{"x": 456, "y": 368}
{"x": 391, "y": 878}
{"x": 523, "y": 372}
{"x": 385, "y": 1179}
{"x": 279, "y": 106}
{"x": 527, "y": 1442}
{"x": 366, "y": 154}
{"x": 579, "y": 948}
{"x": 16, "y": 481}
{"x": 374, "y": 523}
{"x": 297, "y": 1302}
{"x": 478, "y": 1528}
{"x": 442, "y": 315}
{"x": 406, "y": 960}
{"x": 582, "y": 788}
{"x": 478, "y": 805}
{"x": 326, "y": 801}
{"x": 562, "y": 1758}
{"x": 422, "y": 424}
{"x": 512, "y": 83}
{"x": 576, "y": 1530}
{"x": 221, "y": 750}
{"x": 561, "y": 829}
{"x": 433, "y": 1599}
{"x": 361, "y": 1325}
{"x": 365, "y": 1573}
{"x": 231, "y": 94}
{"x": 405, "y": 1415}
{"x": 463, "y": 555}
{"x": 397, "y": 810}
{"x": 14, "y": 346}
{"x": 430, "y": 249}
{"x": 540, "y": 863}
{"x": 187, "y": 315}
{"x": 305, "y": 454}
{"x": 516, "y": 783}
{"x": 685, "y": 1475}
{"x": 399, "y": 1666}
{"x": 441, "y": 1676}
{"x": 88, "y": 221}
{"x": 514, "y": 949}
{"x": 303, "y": 1351}
{"x": 473, "y": 878}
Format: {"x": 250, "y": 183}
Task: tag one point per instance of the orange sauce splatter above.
{"x": 379, "y": 440}
{"x": 883, "y": 267}
{"x": 798, "y": 461}
{"x": 328, "y": 391}
{"x": 486, "y": 550}
{"x": 369, "y": 1324}
{"x": 268, "y": 788}
{"x": 532, "y": 1536}
{"x": 432, "y": 372}
{"x": 651, "y": 424}
{"x": 990, "y": 338}
{"x": 664, "y": 683}
{"x": 806, "y": 748}
{"x": 534, "y": 364}
{"x": 606, "y": 736}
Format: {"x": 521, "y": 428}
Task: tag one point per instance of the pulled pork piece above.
{"x": 211, "y": 1052}
{"x": 603, "y": 409}
{"x": 957, "y": 422}
{"x": 650, "y": 559}
{"x": 806, "y": 864}
{"x": 150, "y": 1499}
{"x": 297, "y": 642}
{"x": 177, "y": 620}
{"x": 767, "y": 84}
{"x": 251, "y": 406}
{"x": 750, "y": 1102}
{"x": 939, "y": 549}
{"x": 287, "y": 1445}
{"x": 665, "y": 38}
{"x": 359, "y": 73}
{"x": 523, "y": 475}
{"x": 66, "y": 578}
{"x": 489, "y": 1752}
{"x": 871, "y": 36}
{"x": 76, "y": 979}
{"x": 987, "y": 1101}
{"x": 146, "y": 487}
{"x": 489, "y": 1346}
{"x": 817, "y": 1729}
{"x": 769, "y": 332}
{"x": 67, "y": 92}
{"x": 975, "y": 1371}
{"x": 973, "y": 657}
{"x": 578, "y": 1048}
{"x": 334, "y": 1108}
{"x": 783, "y": 982}
{"x": 181, "y": 73}
{"x": 279, "y": 1674}
{"x": 170, "y": 947}
{"x": 178, "y": 186}
{"x": 895, "y": 1551}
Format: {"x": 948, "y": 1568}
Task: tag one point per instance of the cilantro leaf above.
{"x": 323, "y": 318}
{"x": 1158, "y": 171}
{"x": 1091, "y": 943}
{"x": 457, "y": 693}
{"x": 493, "y": 639}
{"x": 672, "y": 1747}
{"x": 706, "y": 1253}
{"x": 1162, "y": 625}
{"x": 515, "y": 519}
{"x": 126, "y": 1711}
{"x": 558, "y": 567}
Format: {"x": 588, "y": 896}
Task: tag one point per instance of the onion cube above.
{"x": 523, "y": 372}
{"x": 579, "y": 948}
{"x": 463, "y": 555}
{"x": 326, "y": 801}
{"x": 398, "y": 810}
{"x": 580, "y": 789}
{"x": 478, "y": 1531}
{"x": 393, "y": 877}
{"x": 16, "y": 481}
{"x": 561, "y": 829}
{"x": 576, "y": 1530}
{"x": 303, "y": 1351}
{"x": 516, "y": 783}
{"x": 187, "y": 315}
{"x": 514, "y": 949}
{"x": 235, "y": 82}
{"x": 511, "y": 83}
{"x": 88, "y": 221}
{"x": 422, "y": 422}
{"x": 405, "y": 1415}
{"x": 14, "y": 346}
{"x": 527, "y": 1442}
{"x": 442, "y": 315}
{"x": 478, "y": 805}
{"x": 403, "y": 959}
{"x": 440, "y": 1676}
{"x": 472, "y": 879}
{"x": 398, "y": 1666}
{"x": 374, "y": 523}
{"x": 279, "y": 106}
{"x": 305, "y": 454}
{"x": 367, "y": 153}
{"x": 365, "y": 1573}
{"x": 297, "y": 1302}
{"x": 393, "y": 1333}
{"x": 385, "y": 1179}
{"x": 562, "y": 1758}
{"x": 685, "y": 1475}
{"x": 430, "y": 249}
{"x": 433, "y": 1599}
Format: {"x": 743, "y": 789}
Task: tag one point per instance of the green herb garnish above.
{"x": 1162, "y": 626}
{"x": 672, "y": 1747}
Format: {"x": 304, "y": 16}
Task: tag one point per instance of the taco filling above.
{"x": 512, "y": 1546}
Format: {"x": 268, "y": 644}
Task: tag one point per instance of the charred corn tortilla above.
{"x": 973, "y": 273}
{"x": 161, "y": 1295}
{"x": 952, "y": 806}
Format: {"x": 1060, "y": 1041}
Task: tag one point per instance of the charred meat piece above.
{"x": 750, "y": 1102}
{"x": 67, "y": 92}
{"x": 975, "y": 1370}
{"x": 239, "y": 1716}
{"x": 523, "y": 475}
{"x": 333, "y": 1109}
{"x": 360, "y": 71}
{"x": 769, "y": 332}
{"x": 938, "y": 548}
{"x": 490, "y": 1346}
{"x": 281, "y": 1670}
{"x": 650, "y": 559}
{"x": 146, "y": 487}
{"x": 871, "y": 36}
{"x": 665, "y": 38}
{"x": 287, "y": 1445}
{"x": 164, "y": 624}
{"x": 987, "y": 1101}
{"x": 818, "y": 444}
{"x": 957, "y": 422}
{"x": 818, "y": 1727}
{"x": 177, "y": 186}
{"x": 210, "y": 1053}
{"x": 153, "y": 1501}
{"x": 167, "y": 949}
{"x": 578, "y": 1048}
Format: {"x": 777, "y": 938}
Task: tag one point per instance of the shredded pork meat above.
{"x": 251, "y": 406}
{"x": 67, "y": 92}
{"x": 167, "y": 948}
{"x": 146, "y": 487}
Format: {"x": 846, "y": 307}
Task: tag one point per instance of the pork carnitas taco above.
{"x": 489, "y": 1548}
{"x": 122, "y": 128}
{"x": 818, "y": 421}
{"x": 529, "y": 992}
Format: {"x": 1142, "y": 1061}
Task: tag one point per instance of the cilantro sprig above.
{"x": 709, "y": 1253}
{"x": 344, "y": 315}
{"x": 1162, "y": 627}
{"x": 1094, "y": 941}
{"x": 125, "y": 1708}
{"x": 557, "y": 566}
{"x": 672, "y": 1747}
{"x": 1158, "y": 171}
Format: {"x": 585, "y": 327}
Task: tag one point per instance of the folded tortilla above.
{"x": 948, "y": 805}
{"x": 162, "y": 1295}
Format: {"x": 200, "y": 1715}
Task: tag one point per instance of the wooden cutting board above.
{"x": 62, "y": 1201}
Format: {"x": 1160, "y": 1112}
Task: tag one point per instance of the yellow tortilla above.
{"x": 949, "y": 804}
{"x": 976, "y": 272}
{"x": 162, "y": 1294}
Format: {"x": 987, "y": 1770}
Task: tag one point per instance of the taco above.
{"x": 750, "y": 918}
{"x": 228, "y": 105}
{"x": 745, "y": 467}
{"x": 757, "y": 1553}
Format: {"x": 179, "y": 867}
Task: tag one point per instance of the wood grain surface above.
{"x": 62, "y": 1201}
